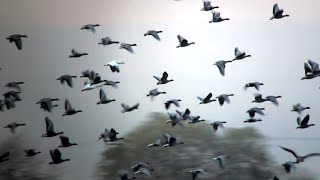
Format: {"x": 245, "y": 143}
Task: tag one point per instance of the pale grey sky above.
{"x": 278, "y": 48}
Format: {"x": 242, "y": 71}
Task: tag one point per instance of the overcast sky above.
{"x": 278, "y": 48}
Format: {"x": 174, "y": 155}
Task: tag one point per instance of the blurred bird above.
{"x": 16, "y": 38}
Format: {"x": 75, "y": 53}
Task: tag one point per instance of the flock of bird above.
{"x": 95, "y": 81}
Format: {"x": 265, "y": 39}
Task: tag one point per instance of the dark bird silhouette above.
{"x": 56, "y": 157}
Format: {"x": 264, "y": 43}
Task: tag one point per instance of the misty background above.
{"x": 278, "y": 48}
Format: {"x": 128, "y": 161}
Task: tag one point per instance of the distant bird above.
{"x": 95, "y": 78}
{"x": 258, "y": 98}
{"x": 239, "y": 54}
{"x": 86, "y": 73}
{"x": 31, "y": 152}
{"x": 76, "y": 54}
{"x": 50, "y": 129}
{"x": 103, "y": 98}
{"x": 216, "y": 17}
{"x": 66, "y": 78}
{"x": 194, "y": 119}
{"x": 207, "y": 99}
{"x": 304, "y": 123}
{"x": 124, "y": 176}
{"x": 288, "y": 166}
{"x": 4, "y": 157}
{"x": 196, "y": 172}
{"x": 217, "y": 124}
{"x": 15, "y": 85}
{"x": 13, "y": 126}
{"x": 114, "y": 66}
{"x": 224, "y": 98}
{"x": 127, "y": 47}
{"x": 163, "y": 79}
{"x": 299, "y": 108}
{"x": 277, "y": 12}
{"x": 207, "y": 6}
{"x": 172, "y": 101}
{"x": 273, "y": 99}
{"x": 107, "y": 41}
{"x": 65, "y": 141}
{"x": 107, "y": 135}
{"x": 221, "y": 160}
{"x": 311, "y": 70}
{"x": 157, "y": 143}
{"x": 184, "y": 115}
{"x": 9, "y": 103}
{"x": 127, "y": 108}
{"x": 252, "y": 120}
{"x": 16, "y": 38}
{"x": 153, "y": 33}
{"x": 255, "y": 110}
{"x": 143, "y": 171}
{"x": 90, "y": 27}
{"x": 89, "y": 86}
{"x": 253, "y": 84}
{"x": 56, "y": 157}
{"x": 183, "y": 42}
{"x": 112, "y": 136}
{"x": 299, "y": 159}
{"x": 155, "y": 92}
{"x": 171, "y": 141}
{"x": 111, "y": 83}
{"x": 69, "y": 110}
{"x": 141, "y": 165}
{"x": 46, "y": 103}
{"x": 12, "y": 96}
{"x": 221, "y": 66}
{"x": 174, "y": 120}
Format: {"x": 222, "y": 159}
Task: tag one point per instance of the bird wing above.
{"x": 57, "y": 154}
{"x": 256, "y": 85}
{"x": 167, "y": 136}
{"x": 220, "y": 162}
{"x": 311, "y": 155}
{"x": 49, "y": 125}
{"x": 307, "y": 68}
{"x": 298, "y": 121}
{"x": 124, "y": 106}
{"x": 305, "y": 120}
{"x": 155, "y": 35}
{"x": 314, "y": 65}
{"x": 157, "y": 78}
{"x": 52, "y": 155}
{"x": 208, "y": 97}
{"x": 176, "y": 103}
{"x": 64, "y": 139}
{"x": 135, "y": 106}
{"x": 181, "y": 39}
{"x": 216, "y": 15}
{"x": 221, "y": 100}
{"x": 236, "y": 51}
{"x": 67, "y": 105}
{"x": 74, "y": 52}
{"x": 164, "y": 76}
{"x": 273, "y": 100}
{"x": 102, "y": 94}
{"x": 18, "y": 42}
{"x": 200, "y": 98}
{"x": 275, "y": 8}
{"x": 221, "y": 67}
{"x": 69, "y": 81}
{"x": 289, "y": 150}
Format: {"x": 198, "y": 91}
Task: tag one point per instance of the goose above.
{"x": 65, "y": 141}
{"x": 107, "y": 41}
{"x": 111, "y": 83}
{"x": 13, "y": 126}
{"x": 124, "y": 176}
{"x": 221, "y": 160}
{"x": 239, "y": 54}
{"x": 66, "y": 78}
{"x": 194, "y": 119}
{"x": 216, "y": 17}
{"x": 46, "y": 103}
{"x": 288, "y": 166}
{"x": 16, "y": 38}
{"x": 8, "y": 103}
{"x": 183, "y": 42}
{"x": 252, "y": 120}
{"x": 127, "y": 47}
{"x": 255, "y": 110}
{"x": 196, "y": 172}
{"x": 103, "y": 98}
{"x": 253, "y": 84}
{"x": 141, "y": 165}
{"x": 216, "y": 124}
{"x": 311, "y": 67}
{"x": 184, "y": 115}
{"x": 127, "y": 108}
{"x": 143, "y": 171}
{"x": 163, "y": 79}
{"x": 114, "y": 66}
{"x": 171, "y": 141}
{"x": 15, "y": 85}
{"x": 221, "y": 66}
{"x": 157, "y": 143}
{"x": 224, "y": 98}
{"x": 155, "y": 92}
{"x": 50, "y": 129}
{"x": 258, "y": 98}
{"x": 108, "y": 134}
{"x": 12, "y": 95}
{"x": 304, "y": 123}
{"x": 56, "y": 157}
{"x": 174, "y": 120}
{"x": 168, "y": 103}
{"x": 273, "y": 99}
{"x": 207, "y": 99}
{"x": 86, "y": 73}
{"x": 88, "y": 86}
{"x": 31, "y": 152}
{"x": 95, "y": 78}
{"x": 299, "y": 159}
{"x": 90, "y": 27}
{"x": 154, "y": 34}
{"x": 299, "y": 108}
{"x": 4, "y": 157}
{"x": 207, "y": 6}
{"x": 76, "y": 54}
{"x": 69, "y": 109}
{"x": 277, "y": 12}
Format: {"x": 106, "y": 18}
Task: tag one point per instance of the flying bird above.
{"x": 69, "y": 110}
{"x": 154, "y": 34}
{"x": 221, "y": 160}
{"x": 299, "y": 108}
{"x": 13, "y": 126}
{"x": 221, "y": 66}
{"x": 216, "y": 17}
{"x": 168, "y": 103}
{"x": 16, "y": 38}
{"x": 163, "y": 79}
{"x": 65, "y": 141}
{"x": 127, "y": 47}
{"x": 256, "y": 85}
{"x": 103, "y": 98}
{"x": 239, "y": 55}
{"x": 277, "y": 12}
{"x": 107, "y": 41}
{"x": 304, "y": 123}
{"x": 207, "y": 99}
{"x": 56, "y": 157}
{"x": 126, "y": 108}
{"x": 50, "y": 129}
{"x": 66, "y": 78}
{"x": 207, "y": 6}
{"x": 299, "y": 159}
{"x": 217, "y": 124}
{"x": 114, "y": 66}
{"x": 90, "y": 27}
{"x": 76, "y": 54}
{"x": 183, "y": 42}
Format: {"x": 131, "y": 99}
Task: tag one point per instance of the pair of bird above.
{"x": 109, "y": 136}
{"x": 252, "y": 112}
{"x": 221, "y": 98}
{"x": 170, "y": 141}
{"x": 259, "y": 99}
